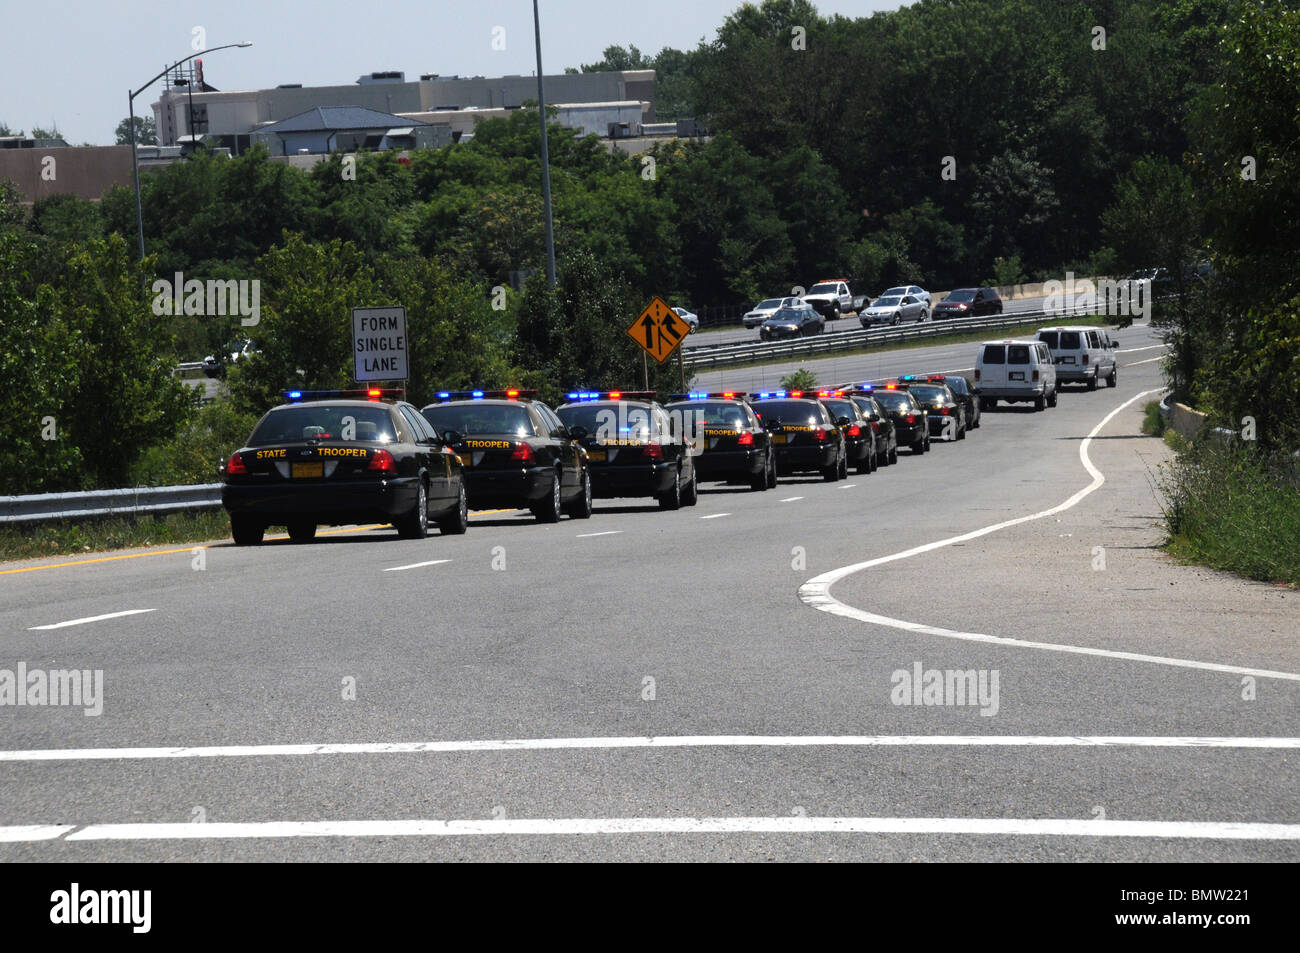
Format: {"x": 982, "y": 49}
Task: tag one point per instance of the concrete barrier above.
{"x": 1187, "y": 423}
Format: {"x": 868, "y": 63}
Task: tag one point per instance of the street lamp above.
{"x": 546, "y": 161}
{"x": 130, "y": 105}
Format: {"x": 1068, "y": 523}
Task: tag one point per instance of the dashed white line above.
{"x": 1130, "y": 350}
{"x": 92, "y": 618}
{"x": 816, "y": 591}
{"x": 608, "y": 532}
{"x": 846, "y": 486}
{"x": 506, "y": 827}
{"x": 714, "y": 516}
{"x": 790, "y": 499}
{"x": 1147, "y": 361}
{"x": 643, "y": 741}
{"x": 431, "y": 562}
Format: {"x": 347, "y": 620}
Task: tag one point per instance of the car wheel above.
{"x": 832, "y": 473}
{"x": 865, "y": 464}
{"x": 925, "y": 316}
{"x": 759, "y": 481}
{"x": 246, "y": 531}
{"x": 897, "y": 320}
{"x": 457, "y": 521}
{"x": 548, "y": 509}
{"x": 580, "y": 508}
{"x": 1092, "y": 382}
{"x": 1113, "y": 380}
{"x": 1040, "y": 403}
{"x": 893, "y": 455}
{"x": 844, "y": 465}
{"x": 771, "y": 470}
{"x": 672, "y": 498}
{"x": 415, "y": 523}
{"x": 1051, "y": 398}
{"x": 918, "y": 447}
{"x": 691, "y": 492}
{"x": 988, "y": 403}
{"x": 835, "y": 312}
{"x": 301, "y": 531}
{"x": 961, "y": 429}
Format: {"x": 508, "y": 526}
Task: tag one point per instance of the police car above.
{"x": 911, "y": 420}
{"x": 632, "y": 446}
{"x": 804, "y": 434}
{"x": 859, "y": 436}
{"x": 886, "y": 432}
{"x": 516, "y": 452}
{"x": 345, "y": 456}
{"x": 730, "y": 442}
{"x": 947, "y": 414}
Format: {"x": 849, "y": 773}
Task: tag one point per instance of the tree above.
{"x": 51, "y": 133}
{"x": 146, "y": 134}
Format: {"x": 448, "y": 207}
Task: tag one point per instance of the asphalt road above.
{"x": 1118, "y": 730}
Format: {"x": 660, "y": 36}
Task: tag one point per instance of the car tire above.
{"x": 988, "y": 403}
{"x": 1040, "y": 403}
{"x": 918, "y": 447}
{"x": 925, "y": 316}
{"x": 580, "y": 507}
{"x": 301, "y": 531}
{"x": 691, "y": 492}
{"x": 456, "y": 522}
{"x": 548, "y": 509}
{"x": 835, "y": 311}
{"x": 1113, "y": 380}
{"x": 1092, "y": 382}
{"x": 672, "y": 499}
{"x": 865, "y": 465}
{"x": 246, "y": 531}
{"x": 898, "y": 319}
{"x": 893, "y": 455}
{"x": 759, "y": 481}
{"x": 832, "y": 473}
{"x": 1052, "y": 398}
{"x": 771, "y": 470}
{"x": 415, "y": 523}
{"x": 961, "y": 430}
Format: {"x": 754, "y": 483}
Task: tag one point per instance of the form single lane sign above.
{"x": 379, "y": 344}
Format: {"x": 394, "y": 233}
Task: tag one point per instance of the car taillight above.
{"x": 910, "y": 419}
{"x": 977, "y": 373}
{"x": 1035, "y": 377}
{"x": 236, "y": 466}
{"x": 875, "y": 426}
{"x": 653, "y": 451}
{"x": 821, "y": 434}
{"x": 382, "y": 462}
{"x": 523, "y": 453}
{"x": 746, "y": 439}
{"x": 855, "y": 431}
{"x": 944, "y": 411}
{"x": 1085, "y": 358}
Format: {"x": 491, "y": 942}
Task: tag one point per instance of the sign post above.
{"x": 379, "y": 344}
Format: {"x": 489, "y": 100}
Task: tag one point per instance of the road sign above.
{"x": 658, "y": 330}
{"x": 379, "y": 343}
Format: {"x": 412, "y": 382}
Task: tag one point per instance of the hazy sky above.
{"x": 72, "y": 63}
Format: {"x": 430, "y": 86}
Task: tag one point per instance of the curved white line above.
{"x": 816, "y": 591}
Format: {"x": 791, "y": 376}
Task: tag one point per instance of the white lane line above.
{"x": 1130, "y": 350}
{"x": 1147, "y": 361}
{"x": 816, "y": 591}
{"x": 993, "y": 826}
{"x": 642, "y": 741}
{"x": 30, "y": 832}
{"x": 431, "y": 562}
{"x": 846, "y": 486}
{"x": 92, "y": 618}
{"x": 790, "y": 499}
{"x": 714, "y": 516}
{"x": 608, "y": 532}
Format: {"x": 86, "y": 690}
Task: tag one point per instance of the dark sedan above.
{"x": 968, "y": 303}
{"x": 804, "y": 434}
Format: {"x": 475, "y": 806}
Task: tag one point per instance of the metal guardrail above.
{"x": 722, "y": 354}
{"x": 128, "y": 502}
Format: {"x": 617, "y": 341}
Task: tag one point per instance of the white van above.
{"x": 1015, "y": 371}
{"x": 1083, "y": 355}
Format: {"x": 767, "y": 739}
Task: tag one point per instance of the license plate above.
{"x": 465, "y": 459}
{"x": 1067, "y": 360}
{"x": 1016, "y": 376}
{"x": 596, "y": 456}
{"x": 778, "y": 438}
{"x": 307, "y": 471}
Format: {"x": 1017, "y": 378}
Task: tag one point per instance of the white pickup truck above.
{"x": 831, "y": 298}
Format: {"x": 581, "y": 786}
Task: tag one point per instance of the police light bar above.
{"x": 707, "y": 395}
{"x": 370, "y": 393}
{"x": 767, "y": 394}
{"x": 512, "y": 393}
{"x": 830, "y": 393}
{"x": 613, "y": 395}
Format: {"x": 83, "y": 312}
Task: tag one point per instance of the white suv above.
{"x": 1015, "y": 371}
{"x": 1083, "y": 355}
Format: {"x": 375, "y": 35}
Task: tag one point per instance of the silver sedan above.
{"x": 893, "y": 309}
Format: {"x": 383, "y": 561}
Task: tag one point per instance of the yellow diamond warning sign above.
{"x": 658, "y": 330}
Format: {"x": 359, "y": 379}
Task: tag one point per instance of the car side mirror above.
{"x": 773, "y": 424}
{"x": 451, "y": 436}
{"x": 577, "y": 432}
{"x": 842, "y": 421}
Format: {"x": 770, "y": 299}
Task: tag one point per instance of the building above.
{"x": 189, "y": 106}
{"x": 325, "y": 129}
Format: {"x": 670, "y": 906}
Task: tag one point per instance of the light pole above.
{"x": 546, "y": 159}
{"x": 130, "y": 105}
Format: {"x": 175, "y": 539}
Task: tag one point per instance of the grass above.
{"x": 110, "y": 532}
{"x": 1228, "y": 508}
{"x": 1153, "y": 425}
{"x": 957, "y": 337}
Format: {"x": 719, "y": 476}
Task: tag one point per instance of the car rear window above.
{"x": 714, "y": 414}
{"x": 894, "y": 400}
{"x": 1018, "y": 354}
{"x": 1069, "y": 340}
{"x": 995, "y": 354}
{"x": 323, "y": 422}
{"x": 1050, "y": 338}
{"x": 799, "y": 412}
{"x": 606, "y": 421}
{"x": 842, "y": 408}
{"x": 476, "y": 418}
{"x": 929, "y": 392}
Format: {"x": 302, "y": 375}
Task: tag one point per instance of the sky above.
{"x": 73, "y": 62}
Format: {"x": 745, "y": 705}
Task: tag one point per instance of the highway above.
{"x": 491, "y": 696}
